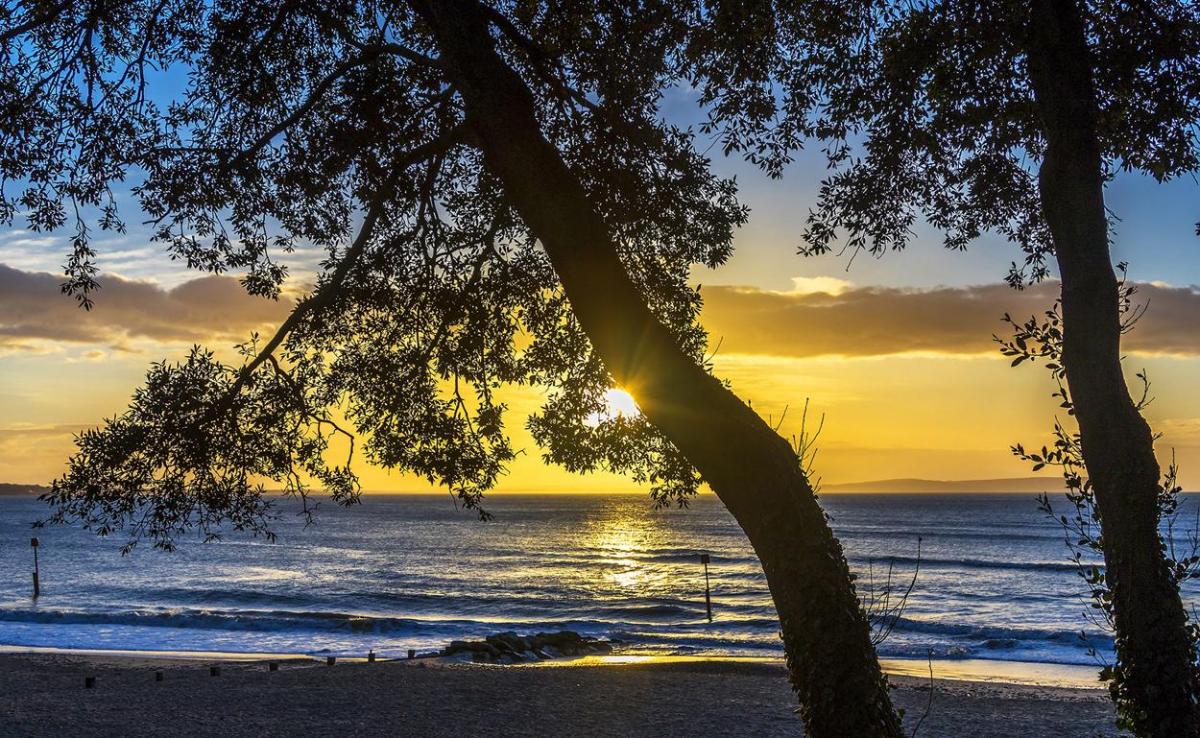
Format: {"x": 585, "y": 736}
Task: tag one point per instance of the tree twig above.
{"x": 328, "y": 291}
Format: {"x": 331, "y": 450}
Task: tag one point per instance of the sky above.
{"x": 895, "y": 353}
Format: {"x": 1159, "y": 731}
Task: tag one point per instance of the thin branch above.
{"x": 489, "y": 249}
{"x": 309, "y": 103}
{"x": 929, "y": 702}
{"x": 415, "y": 57}
{"x": 318, "y": 420}
{"x": 49, "y": 16}
{"x": 544, "y": 60}
{"x": 328, "y": 291}
{"x": 390, "y": 47}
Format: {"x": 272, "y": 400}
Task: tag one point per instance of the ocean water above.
{"x": 401, "y": 572}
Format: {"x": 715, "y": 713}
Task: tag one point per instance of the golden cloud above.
{"x": 880, "y": 321}
{"x": 821, "y": 317}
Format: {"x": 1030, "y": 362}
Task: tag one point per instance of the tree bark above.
{"x": 1154, "y": 648}
{"x": 756, "y": 474}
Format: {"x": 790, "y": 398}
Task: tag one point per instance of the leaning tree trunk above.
{"x": 753, "y": 470}
{"x": 1158, "y": 680}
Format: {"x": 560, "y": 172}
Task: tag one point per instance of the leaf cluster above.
{"x": 253, "y": 129}
{"x": 1042, "y": 339}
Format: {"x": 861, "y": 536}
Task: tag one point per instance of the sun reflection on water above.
{"x": 621, "y": 541}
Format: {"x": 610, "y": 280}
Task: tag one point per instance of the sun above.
{"x": 620, "y": 404}
{"x": 617, "y": 404}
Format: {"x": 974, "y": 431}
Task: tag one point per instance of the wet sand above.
{"x": 43, "y": 695}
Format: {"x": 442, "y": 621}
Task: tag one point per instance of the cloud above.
{"x": 32, "y": 310}
{"x": 877, "y": 321}
{"x": 828, "y": 285}
{"x": 87, "y": 356}
{"x": 821, "y": 316}
{"x": 1179, "y": 431}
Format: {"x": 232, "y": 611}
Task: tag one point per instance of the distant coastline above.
{"x": 1010, "y": 484}
{"x": 28, "y": 490}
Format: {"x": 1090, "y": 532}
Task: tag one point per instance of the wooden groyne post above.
{"x": 704, "y": 559}
{"x": 37, "y": 585}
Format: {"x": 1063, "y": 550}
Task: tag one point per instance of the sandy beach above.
{"x": 43, "y": 695}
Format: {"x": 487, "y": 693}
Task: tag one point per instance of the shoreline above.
{"x": 43, "y": 695}
{"x": 979, "y": 671}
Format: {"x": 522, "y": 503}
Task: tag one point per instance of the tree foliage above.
{"x": 926, "y": 113}
{"x": 251, "y": 129}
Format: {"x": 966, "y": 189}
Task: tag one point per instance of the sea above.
{"x": 993, "y": 580}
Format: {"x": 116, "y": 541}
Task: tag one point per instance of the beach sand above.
{"x": 43, "y": 695}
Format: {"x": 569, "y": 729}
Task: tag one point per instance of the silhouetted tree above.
{"x": 1011, "y": 117}
{"x": 512, "y": 185}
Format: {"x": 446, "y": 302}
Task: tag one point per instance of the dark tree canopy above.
{"x": 250, "y": 129}
{"x": 929, "y": 114}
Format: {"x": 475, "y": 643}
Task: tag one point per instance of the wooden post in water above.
{"x": 704, "y": 559}
{"x": 331, "y": 660}
{"x": 371, "y": 656}
{"x": 412, "y": 653}
{"x": 37, "y": 586}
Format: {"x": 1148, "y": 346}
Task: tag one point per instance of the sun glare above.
{"x": 617, "y": 404}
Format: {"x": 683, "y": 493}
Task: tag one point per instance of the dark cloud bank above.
{"x": 32, "y": 307}
{"x": 868, "y": 321}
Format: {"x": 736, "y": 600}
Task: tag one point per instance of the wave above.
{"x": 725, "y": 627}
{"x": 996, "y": 637}
{"x": 212, "y": 595}
{"x": 967, "y": 563}
{"x": 537, "y": 601}
{"x": 261, "y": 620}
{"x": 347, "y": 632}
{"x": 350, "y": 624}
{"x": 652, "y": 610}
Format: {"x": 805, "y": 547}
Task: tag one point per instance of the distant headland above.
{"x": 7, "y": 488}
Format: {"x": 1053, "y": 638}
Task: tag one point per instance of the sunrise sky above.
{"x": 895, "y": 352}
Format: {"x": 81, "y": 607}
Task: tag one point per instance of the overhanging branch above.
{"x": 309, "y": 103}
{"x": 326, "y": 293}
{"x": 45, "y": 17}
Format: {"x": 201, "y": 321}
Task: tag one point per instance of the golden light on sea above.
{"x": 621, "y": 539}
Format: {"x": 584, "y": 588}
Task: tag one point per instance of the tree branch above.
{"x": 368, "y": 54}
{"x": 48, "y": 16}
{"x": 326, "y": 292}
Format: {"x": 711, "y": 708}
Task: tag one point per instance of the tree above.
{"x": 509, "y": 178}
{"x": 1011, "y": 117}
